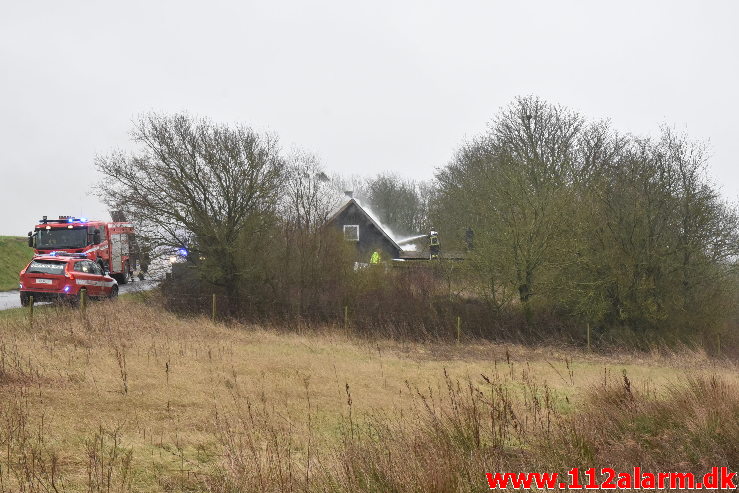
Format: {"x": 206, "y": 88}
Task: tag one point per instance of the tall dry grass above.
{"x": 127, "y": 397}
{"x": 454, "y": 434}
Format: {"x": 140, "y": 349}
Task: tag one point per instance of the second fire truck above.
{"x": 111, "y": 244}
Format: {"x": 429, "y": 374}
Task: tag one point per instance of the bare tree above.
{"x": 401, "y": 204}
{"x": 195, "y": 184}
{"x": 662, "y": 235}
{"x": 308, "y": 200}
{"x": 309, "y": 196}
{"x": 513, "y": 188}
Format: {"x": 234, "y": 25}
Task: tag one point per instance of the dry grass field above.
{"x": 126, "y": 397}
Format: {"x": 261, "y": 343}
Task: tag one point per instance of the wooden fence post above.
{"x": 346, "y": 317}
{"x": 459, "y": 328}
{"x": 213, "y": 309}
{"x": 30, "y": 309}
{"x": 588, "y": 336}
{"x": 83, "y": 299}
{"x": 718, "y": 341}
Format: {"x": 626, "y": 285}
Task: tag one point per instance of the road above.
{"x": 11, "y": 299}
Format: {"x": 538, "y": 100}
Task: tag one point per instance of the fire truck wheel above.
{"x": 125, "y": 277}
{"x": 113, "y": 293}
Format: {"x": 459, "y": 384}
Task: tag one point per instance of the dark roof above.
{"x": 372, "y": 220}
{"x": 425, "y": 255}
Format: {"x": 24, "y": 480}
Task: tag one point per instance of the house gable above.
{"x": 370, "y": 235}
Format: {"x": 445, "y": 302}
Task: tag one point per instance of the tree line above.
{"x": 573, "y": 221}
{"x": 619, "y": 231}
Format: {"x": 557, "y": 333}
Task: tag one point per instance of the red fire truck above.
{"x": 111, "y": 244}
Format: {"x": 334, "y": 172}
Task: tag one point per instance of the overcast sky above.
{"x": 368, "y": 86}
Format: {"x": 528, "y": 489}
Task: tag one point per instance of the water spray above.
{"x": 411, "y": 238}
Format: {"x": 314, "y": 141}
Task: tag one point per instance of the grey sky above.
{"x": 366, "y": 86}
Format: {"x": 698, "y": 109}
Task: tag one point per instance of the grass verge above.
{"x": 14, "y": 255}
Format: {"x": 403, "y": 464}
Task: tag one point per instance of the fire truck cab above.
{"x": 111, "y": 244}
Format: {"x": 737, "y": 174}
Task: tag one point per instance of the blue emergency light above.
{"x": 61, "y": 253}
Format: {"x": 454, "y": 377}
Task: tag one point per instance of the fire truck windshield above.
{"x": 56, "y": 238}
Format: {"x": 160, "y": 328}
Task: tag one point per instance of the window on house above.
{"x": 351, "y": 232}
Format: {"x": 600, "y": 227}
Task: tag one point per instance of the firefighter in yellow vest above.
{"x": 375, "y": 258}
{"x": 434, "y": 246}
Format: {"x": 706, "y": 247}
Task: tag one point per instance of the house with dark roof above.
{"x": 359, "y": 227}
